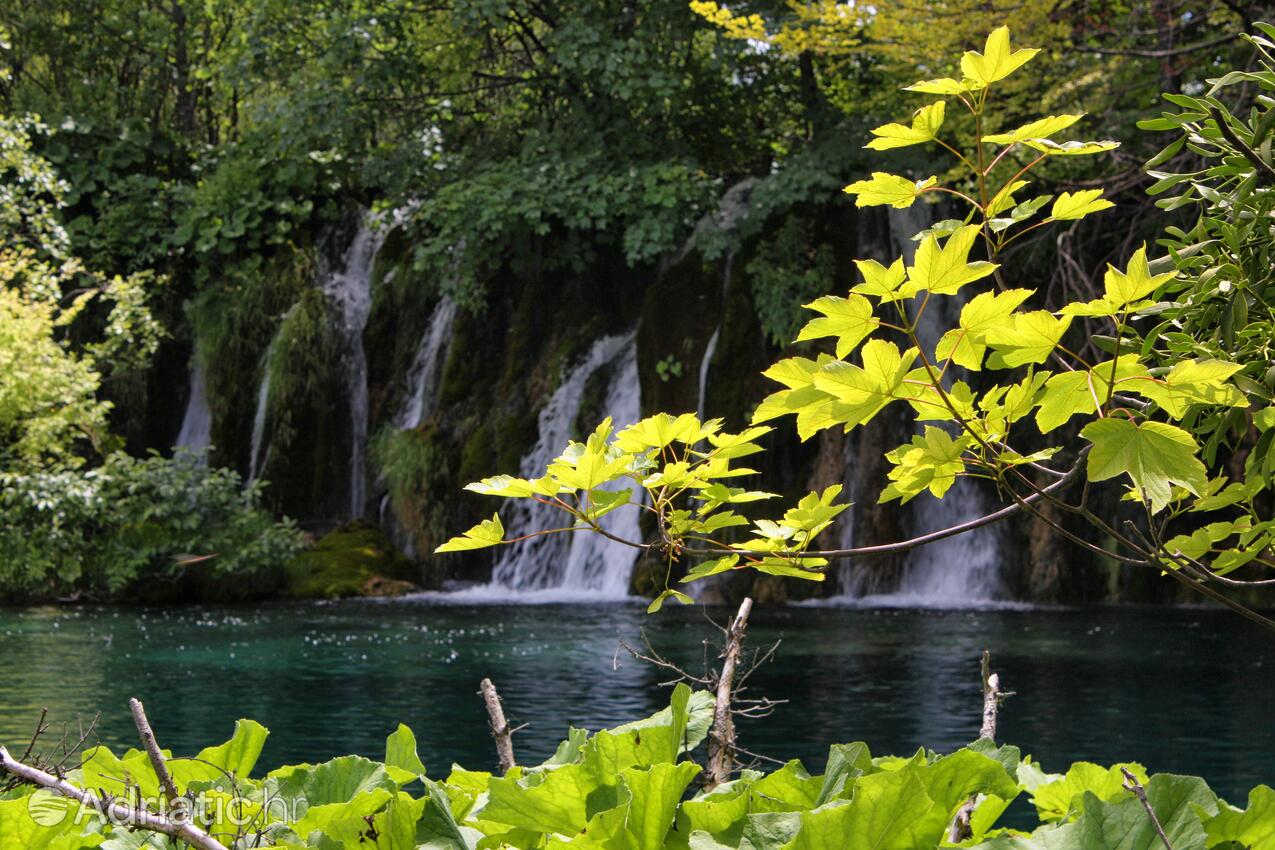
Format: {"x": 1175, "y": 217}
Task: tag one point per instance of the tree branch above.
{"x": 721, "y": 740}
{"x": 153, "y": 752}
{"x": 1263, "y": 167}
{"x": 118, "y": 812}
{"x": 499, "y": 725}
{"x": 1132, "y": 785}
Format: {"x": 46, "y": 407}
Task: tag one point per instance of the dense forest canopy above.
{"x": 180, "y": 175}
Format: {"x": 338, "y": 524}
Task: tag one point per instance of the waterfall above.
{"x": 349, "y": 288}
{"x": 581, "y": 565}
{"x": 259, "y": 454}
{"x": 196, "y": 430}
{"x": 710, "y": 348}
{"x": 427, "y": 367}
{"x": 958, "y": 571}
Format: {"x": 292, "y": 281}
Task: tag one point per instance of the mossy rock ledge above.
{"x": 356, "y": 559}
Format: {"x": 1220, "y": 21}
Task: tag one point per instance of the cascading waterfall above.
{"x": 349, "y": 288}
{"x": 259, "y": 454}
{"x": 963, "y": 570}
{"x": 196, "y": 430}
{"x": 560, "y": 566}
{"x": 710, "y": 348}
{"x": 427, "y": 366}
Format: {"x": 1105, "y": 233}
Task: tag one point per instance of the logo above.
{"x": 47, "y": 809}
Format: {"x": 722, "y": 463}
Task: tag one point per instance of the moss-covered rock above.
{"x": 354, "y": 560}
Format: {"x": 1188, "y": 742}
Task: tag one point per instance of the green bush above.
{"x": 138, "y": 529}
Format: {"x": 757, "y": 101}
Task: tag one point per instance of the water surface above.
{"x": 1179, "y": 690}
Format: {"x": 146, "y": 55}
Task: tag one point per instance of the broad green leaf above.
{"x": 884, "y": 283}
{"x": 944, "y": 270}
{"x": 548, "y": 801}
{"x": 1193, "y": 382}
{"x": 1039, "y": 129}
{"x": 1135, "y": 283}
{"x": 926, "y": 122}
{"x": 850, "y": 320}
{"x": 1051, "y": 148}
{"x": 1025, "y": 338}
{"x": 20, "y": 832}
{"x": 862, "y": 392}
{"x": 658, "y": 602}
{"x": 888, "y": 811}
{"x": 1085, "y": 390}
{"x": 660, "y": 430}
{"x": 711, "y": 568}
{"x": 943, "y": 86}
{"x": 655, "y": 793}
{"x": 1055, "y": 800}
{"x": 966, "y": 344}
{"x": 930, "y": 462}
{"x": 1153, "y": 454}
{"x": 1070, "y": 207}
{"x": 489, "y": 532}
{"x": 400, "y": 751}
{"x": 1253, "y": 828}
{"x": 883, "y": 188}
{"x": 997, "y": 61}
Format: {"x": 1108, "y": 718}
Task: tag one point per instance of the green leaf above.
{"x": 655, "y": 793}
{"x": 1071, "y": 207}
{"x": 489, "y": 532}
{"x": 943, "y": 86}
{"x": 850, "y": 320}
{"x": 883, "y": 283}
{"x": 658, "y": 602}
{"x": 883, "y": 188}
{"x": 926, "y": 122}
{"x": 944, "y": 270}
{"x": 966, "y": 344}
{"x": 1038, "y": 129}
{"x": 1025, "y": 338}
{"x": 930, "y": 462}
{"x": 1153, "y": 454}
{"x": 1050, "y": 148}
{"x": 400, "y": 751}
{"x": 548, "y": 801}
{"x": 1056, "y": 799}
{"x": 997, "y": 61}
{"x": 1253, "y": 828}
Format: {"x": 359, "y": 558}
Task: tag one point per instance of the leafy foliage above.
{"x": 137, "y": 528}
{"x": 1150, "y": 415}
{"x": 632, "y": 788}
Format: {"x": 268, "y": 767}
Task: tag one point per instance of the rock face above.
{"x": 358, "y": 389}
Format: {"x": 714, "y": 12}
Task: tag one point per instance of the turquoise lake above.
{"x": 1180, "y": 690}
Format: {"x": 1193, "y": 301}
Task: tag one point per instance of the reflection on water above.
{"x": 1180, "y": 690}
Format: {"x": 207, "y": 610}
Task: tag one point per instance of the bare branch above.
{"x": 1133, "y": 786}
{"x": 153, "y": 752}
{"x": 992, "y": 696}
{"x": 117, "y": 811}
{"x": 721, "y": 739}
{"x": 499, "y": 725}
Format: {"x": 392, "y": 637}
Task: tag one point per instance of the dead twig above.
{"x": 156, "y": 757}
{"x": 1133, "y": 786}
{"x": 500, "y": 729}
{"x": 992, "y": 696}
{"x": 721, "y": 739}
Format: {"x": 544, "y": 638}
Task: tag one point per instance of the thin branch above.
{"x": 1263, "y": 167}
{"x": 1133, "y": 786}
{"x": 153, "y": 752}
